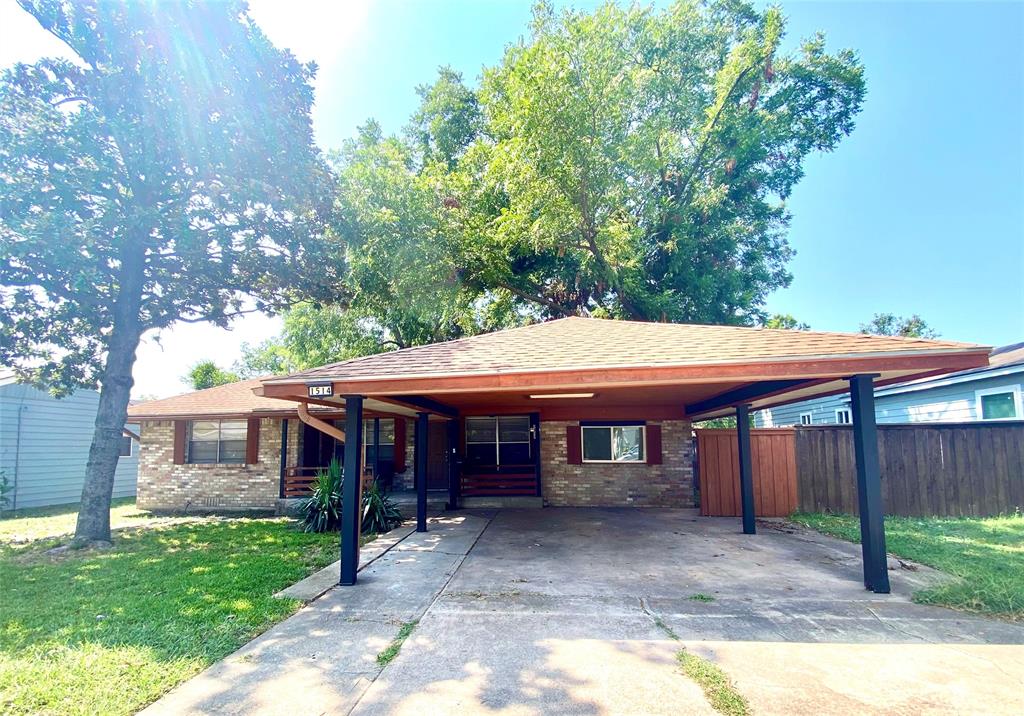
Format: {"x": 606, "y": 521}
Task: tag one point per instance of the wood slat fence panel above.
{"x": 774, "y": 464}
{"x": 948, "y": 469}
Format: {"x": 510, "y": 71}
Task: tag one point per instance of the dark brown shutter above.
{"x": 399, "y": 445}
{"x": 180, "y": 430}
{"x": 653, "y": 444}
{"x": 252, "y": 442}
{"x": 573, "y": 445}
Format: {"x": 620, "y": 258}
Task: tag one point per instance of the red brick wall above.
{"x": 163, "y": 485}
{"x": 621, "y": 484}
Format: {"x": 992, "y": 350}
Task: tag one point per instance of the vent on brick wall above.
{"x": 210, "y": 502}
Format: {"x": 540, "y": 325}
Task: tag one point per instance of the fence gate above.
{"x": 773, "y": 457}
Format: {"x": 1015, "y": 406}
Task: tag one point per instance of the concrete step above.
{"x": 518, "y": 501}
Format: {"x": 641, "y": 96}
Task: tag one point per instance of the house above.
{"x": 226, "y": 448}
{"x": 571, "y": 412}
{"x": 991, "y": 392}
{"x": 44, "y": 446}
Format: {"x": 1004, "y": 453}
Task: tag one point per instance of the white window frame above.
{"x": 1018, "y": 409}
{"x": 643, "y": 445}
{"x": 848, "y": 411}
{"x": 809, "y": 416}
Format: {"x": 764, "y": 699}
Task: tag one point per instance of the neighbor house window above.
{"x": 387, "y": 440}
{"x": 501, "y": 440}
{"x": 613, "y": 443}
{"x": 125, "y": 449}
{"x": 805, "y": 418}
{"x": 844, "y": 416}
{"x": 999, "y": 403}
{"x": 217, "y": 441}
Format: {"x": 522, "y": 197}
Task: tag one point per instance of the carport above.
{"x": 597, "y": 412}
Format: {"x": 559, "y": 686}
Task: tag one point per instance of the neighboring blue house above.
{"x": 992, "y": 393}
{"x": 44, "y": 446}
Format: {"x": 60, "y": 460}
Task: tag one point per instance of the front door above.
{"x": 437, "y": 455}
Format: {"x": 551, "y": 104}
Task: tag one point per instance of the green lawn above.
{"x": 987, "y": 554}
{"x": 108, "y": 632}
{"x": 39, "y": 522}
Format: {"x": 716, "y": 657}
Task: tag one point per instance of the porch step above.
{"x": 503, "y": 501}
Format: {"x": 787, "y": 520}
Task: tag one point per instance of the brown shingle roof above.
{"x": 590, "y": 343}
{"x": 222, "y": 400}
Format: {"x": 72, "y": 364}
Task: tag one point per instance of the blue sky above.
{"x": 921, "y": 210}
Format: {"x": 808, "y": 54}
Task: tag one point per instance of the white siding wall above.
{"x": 49, "y": 459}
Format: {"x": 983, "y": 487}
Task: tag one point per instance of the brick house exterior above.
{"x": 164, "y": 485}
{"x": 669, "y": 484}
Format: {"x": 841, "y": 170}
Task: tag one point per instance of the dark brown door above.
{"x": 437, "y": 457}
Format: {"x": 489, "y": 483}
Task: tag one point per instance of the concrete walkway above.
{"x": 571, "y": 612}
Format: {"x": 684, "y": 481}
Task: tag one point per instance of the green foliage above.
{"x": 5, "y": 488}
{"x": 984, "y": 554}
{"x": 175, "y": 160}
{"x": 321, "y": 511}
{"x": 107, "y": 632}
{"x": 206, "y": 374}
{"x": 380, "y": 513}
{"x": 634, "y": 162}
{"x": 447, "y": 120}
{"x": 785, "y": 321}
{"x": 888, "y": 324}
{"x": 266, "y": 358}
{"x": 699, "y": 597}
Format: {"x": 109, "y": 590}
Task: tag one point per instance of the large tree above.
{"x": 634, "y": 162}
{"x": 167, "y": 173}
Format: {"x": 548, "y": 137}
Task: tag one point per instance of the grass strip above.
{"x": 388, "y": 655}
{"x": 717, "y": 687}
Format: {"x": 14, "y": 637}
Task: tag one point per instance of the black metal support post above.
{"x": 350, "y": 497}
{"x": 422, "y": 426}
{"x": 869, "y": 484}
{"x": 746, "y": 470}
{"x": 453, "y": 464}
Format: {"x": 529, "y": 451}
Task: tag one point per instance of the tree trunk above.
{"x": 115, "y": 391}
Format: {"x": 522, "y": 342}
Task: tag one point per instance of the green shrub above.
{"x": 380, "y": 514}
{"x": 321, "y": 511}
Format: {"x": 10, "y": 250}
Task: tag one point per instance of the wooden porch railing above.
{"x": 298, "y": 481}
{"x": 494, "y": 481}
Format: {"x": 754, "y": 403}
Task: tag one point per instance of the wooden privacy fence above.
{"x": 774, "y": 466}
{"x": 947, "y": 469}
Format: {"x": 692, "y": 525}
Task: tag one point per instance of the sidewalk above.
{"x": 322, "y": 659}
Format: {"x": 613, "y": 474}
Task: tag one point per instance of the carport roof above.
{"x": 590, "y": 343}
{"x": 633, "y": 367}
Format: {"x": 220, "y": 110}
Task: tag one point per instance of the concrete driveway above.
{"x": 572, "y": 611}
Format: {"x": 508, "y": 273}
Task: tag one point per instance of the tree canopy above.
{"x": 889, "y": 324}
{"x": 167, "y": 174}
{"x": 207, "y": 374}
{"x": 626, "y": 162}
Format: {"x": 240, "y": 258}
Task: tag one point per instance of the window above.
{"x": 613, "y": 443}
{"x": 387, "y": 440}
{"x": 217, "y": 441}
{"x": 1003, "y": 403}
{"x": 844, "y": 416}
{"x": 126, "y": 447}
{"x": 502, "y": 440}
{"x": 805, "y": 419}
